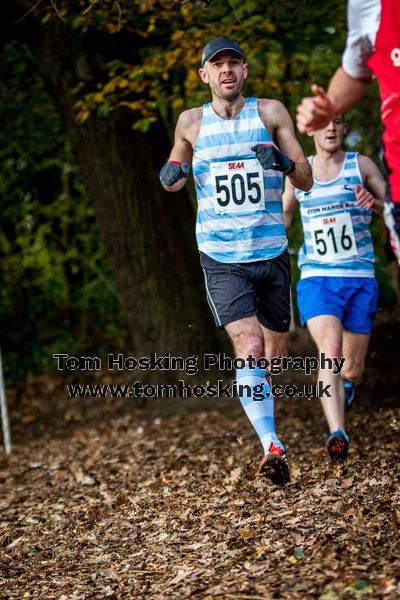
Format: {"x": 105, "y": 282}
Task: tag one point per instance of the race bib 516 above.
{"x": 238, "y": 186}
{"x": 333, "y": 237}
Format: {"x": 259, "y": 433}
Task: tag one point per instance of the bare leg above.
{"x": 326, "y": 331}
{"x": 355, "y": 346}
{"x": 275, "y": 343}
{"x": 248, "y": 337}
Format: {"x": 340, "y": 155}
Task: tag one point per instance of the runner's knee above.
{"x": 352, "y": 370}
{"x": 331, "y": 347}
{"x": 248, "y": 343}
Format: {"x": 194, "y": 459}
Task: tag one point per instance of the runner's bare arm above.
{"x": 279, "y": 123}
{"x": 181, "y": 154}
{"x": 345, "y": 91}
{"x": 316, "y": 111}
{"x": 374, "y": 185}
{"x": 290, "y": 203}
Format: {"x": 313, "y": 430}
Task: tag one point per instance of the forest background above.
{"x": 95, "y": 256}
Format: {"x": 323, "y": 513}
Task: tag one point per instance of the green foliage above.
{"x": 56, "y": 291}
{"x": 288, "y": 45}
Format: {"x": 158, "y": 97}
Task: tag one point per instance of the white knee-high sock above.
{"x": 259, "y": 412}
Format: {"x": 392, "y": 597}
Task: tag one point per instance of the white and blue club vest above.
{"x": 337, "y": 238}
{"x": 240, "y": 215}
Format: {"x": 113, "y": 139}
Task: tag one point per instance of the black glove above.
{"x": 173, "y": 171}
{"x": 271, "y": 158}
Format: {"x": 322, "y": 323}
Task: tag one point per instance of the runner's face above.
{"x": 225, "y": 75}
{"x": 330, "y": 138}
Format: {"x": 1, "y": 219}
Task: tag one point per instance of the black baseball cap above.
{"x": 218, "y": 45}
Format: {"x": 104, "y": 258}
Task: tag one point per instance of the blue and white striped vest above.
{"x": 240, "y": 215}
{"x": 337, "y": 239}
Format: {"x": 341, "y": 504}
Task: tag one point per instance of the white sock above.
{"x": 259, "y": 412}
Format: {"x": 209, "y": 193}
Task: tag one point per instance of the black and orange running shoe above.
{"x": 275, "y": 465}
{"x": 337, "y": 445}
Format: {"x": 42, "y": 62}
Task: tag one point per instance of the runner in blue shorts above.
{"x": 337, "y": 291}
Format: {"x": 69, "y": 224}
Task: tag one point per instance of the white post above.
{"x": 4, "y": 412}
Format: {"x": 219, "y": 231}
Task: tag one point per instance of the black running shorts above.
{"x": 239, "y": 290}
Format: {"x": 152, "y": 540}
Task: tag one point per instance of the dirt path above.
{"x": 164, "y": 500}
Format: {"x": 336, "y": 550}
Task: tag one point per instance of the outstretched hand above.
{"x": 364, "y": 198}
{"x": 316, "y": 111}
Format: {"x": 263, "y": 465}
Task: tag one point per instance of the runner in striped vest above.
{"x": 353, "y": 253}
{"x": 225, "y": 169}
{"x": 240, "y": 148}
{"x": 337, "y": 292}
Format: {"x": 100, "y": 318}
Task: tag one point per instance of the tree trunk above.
{"x": 148, "y": 233}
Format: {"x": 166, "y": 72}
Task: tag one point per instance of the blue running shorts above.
{"x": 353, "y": 300}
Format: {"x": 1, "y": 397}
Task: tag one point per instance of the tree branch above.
{"x": 27, "y": 13}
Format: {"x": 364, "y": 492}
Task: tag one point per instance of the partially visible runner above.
{"x": 394, "y": 265}
{"x": 240, "y": 148}
{"x": 372, "y": 48}
{"x": 337, "y": 291}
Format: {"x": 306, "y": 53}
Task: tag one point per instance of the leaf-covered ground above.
{"x": 108, "y": 499}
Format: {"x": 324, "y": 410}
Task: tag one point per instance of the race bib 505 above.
{"x": 238, "y": 186}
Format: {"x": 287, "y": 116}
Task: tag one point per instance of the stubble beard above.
{"x": 229, "y": 95}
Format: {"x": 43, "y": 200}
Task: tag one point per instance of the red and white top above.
{"x": 373, "y": 48}
{"x": 373, "y": 41}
